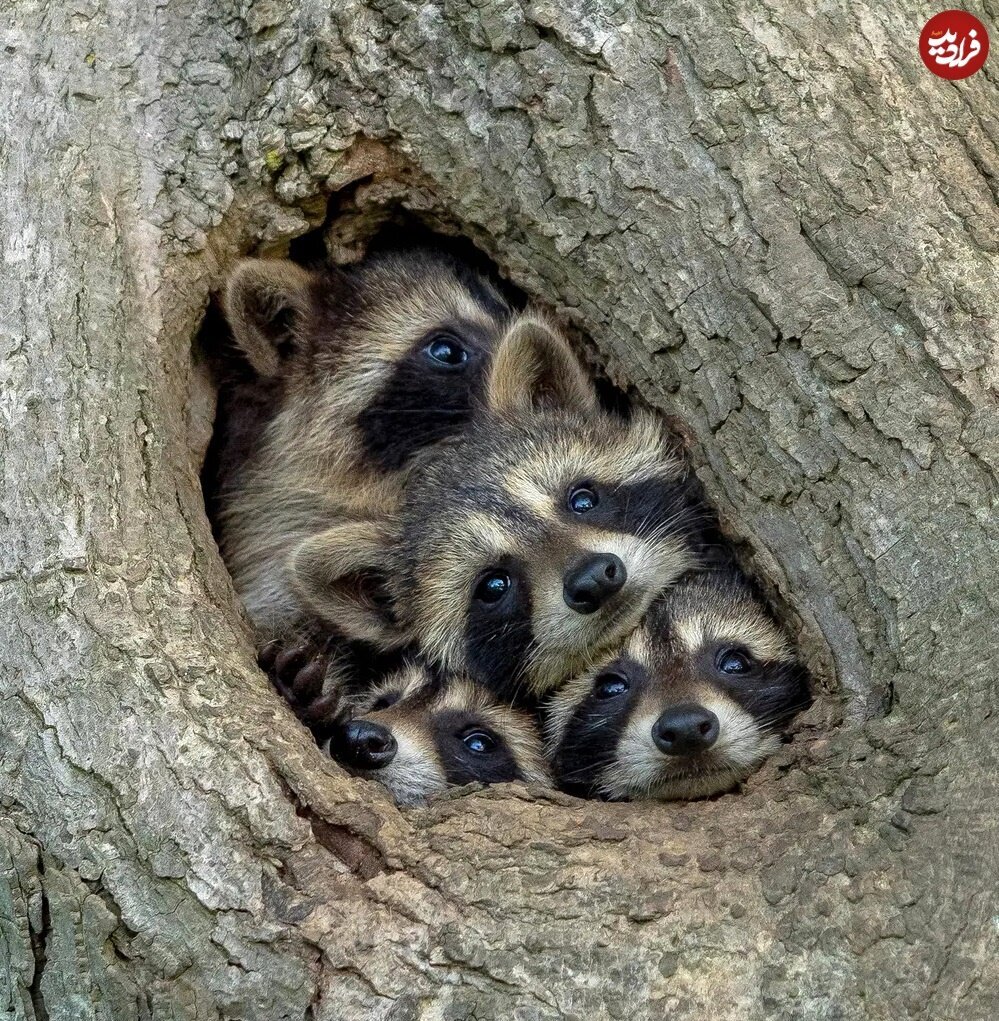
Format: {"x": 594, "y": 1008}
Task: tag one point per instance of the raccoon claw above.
{"x": 307, "y": 684}
{"x": 289, "y": 663}
{"x": 266, "y": 655}
{"x": 292, "y": 668}
{"x": 320, "y": 715}
{"x": 298, "y": 672}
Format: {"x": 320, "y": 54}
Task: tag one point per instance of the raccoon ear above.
{"x": 340, "y": 575}
{"x": 535, "y": 367}
{"x": 265, "y": 302}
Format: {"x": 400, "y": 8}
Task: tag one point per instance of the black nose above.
{"x": 685, "y": 730}
{"x": 591, "y": 582}
{"x": 365, "y": 745}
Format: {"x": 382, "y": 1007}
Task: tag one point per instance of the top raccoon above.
{"x": 352, "y": 373}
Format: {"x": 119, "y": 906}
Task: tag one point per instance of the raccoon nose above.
{"x": 685, "y": 730}
{"x": 366, "y": 745}
{"x": 591, "y": 582}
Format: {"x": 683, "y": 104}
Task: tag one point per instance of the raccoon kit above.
{"x": 418, "y": 735}
{"x": 345, "y": 375}
{"x": 411, "y": 729}
{"x": 692, "y": 702}
{"x": 536, "y": 537}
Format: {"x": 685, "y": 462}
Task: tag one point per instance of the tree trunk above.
{"x": 773, "y": 224}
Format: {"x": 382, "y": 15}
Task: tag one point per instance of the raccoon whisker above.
{"x": 519, "y": 685}
{"x": 520, "y": 681}
{"x": 663, "y": 527}
{"x": 532, "y": 659}
{"x": 785, "y": 709}
{"x": 595, "y": 766}
{"x": 761, "y": 705}
{"x": 590, "y": 719}
{"x": 627, "y": 510}
{"x": 603, "y": 760}
{"x": 773, "y": 723}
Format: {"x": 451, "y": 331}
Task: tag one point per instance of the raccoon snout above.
{"x": 685, "y": 730}
{"x": 591, "y": 582}
{"x": 366, "y": 745}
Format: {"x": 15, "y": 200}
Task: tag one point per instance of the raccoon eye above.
{"x": 733, "y": 661}
{"x": 446, "y": 350}
{"x": 492, "y": 587}
{"x": 386, "y": 700}
{"x": 611, "y": 685}
{"x": 582, "y": 499}
{"x": 478, "y": 741}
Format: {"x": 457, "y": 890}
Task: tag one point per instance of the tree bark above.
{"x": 772, "y": 223}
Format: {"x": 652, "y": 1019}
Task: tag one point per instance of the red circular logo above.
{"x": 954, "y": 44}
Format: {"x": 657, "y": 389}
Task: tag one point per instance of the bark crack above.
{"x": 352, "y": 849}
{"x": 39, "y": 947}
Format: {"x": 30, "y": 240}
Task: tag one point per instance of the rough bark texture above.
{"x": 774, "y": 225}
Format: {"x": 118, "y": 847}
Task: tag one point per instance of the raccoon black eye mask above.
{"x": 690, "y": 705}
{"x": 428, "y": 396}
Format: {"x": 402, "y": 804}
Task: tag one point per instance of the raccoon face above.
{"x": 361, "y": 369}
{"x": 539, "y": 538}
{"x": 418, "y": 737}
{"x": 692, "y": 704}
{"x": 383, "y": 358}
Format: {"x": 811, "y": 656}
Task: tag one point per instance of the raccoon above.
{"x": 692, "y": 703}
{"x": 418, "y": 735}
{"x": 537, "y": 538}
{"x": 347, "y": 375}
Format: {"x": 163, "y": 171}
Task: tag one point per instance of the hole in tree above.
{"x": 349, "y": 234}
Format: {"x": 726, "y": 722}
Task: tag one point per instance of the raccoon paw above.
{"x": 298, "y": 670}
